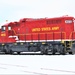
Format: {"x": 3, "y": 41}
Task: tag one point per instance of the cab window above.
{"x": 3, "y": 28}
{"x": 9, "y": 27}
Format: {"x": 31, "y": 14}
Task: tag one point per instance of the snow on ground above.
{"x": 37, "y": 64}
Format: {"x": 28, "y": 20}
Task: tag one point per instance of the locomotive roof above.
{"x": 38, "y": 19}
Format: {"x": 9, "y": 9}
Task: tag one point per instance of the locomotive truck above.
{"x": 45, "y": 35}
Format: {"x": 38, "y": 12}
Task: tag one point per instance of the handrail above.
{"x": 71, "y": 35}
{"x": 42, "y": 33}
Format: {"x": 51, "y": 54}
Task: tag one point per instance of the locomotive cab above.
{"x": 6, "y": 31}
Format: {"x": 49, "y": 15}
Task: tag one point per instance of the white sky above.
{"x": 13, "y": 10}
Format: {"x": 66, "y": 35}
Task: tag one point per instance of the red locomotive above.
{"x": 47, "y": 35}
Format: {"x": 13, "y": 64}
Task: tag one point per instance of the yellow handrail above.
{"x": 41, "y": 33}
{"x": 71, "y": 35}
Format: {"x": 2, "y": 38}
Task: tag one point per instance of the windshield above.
{"x": 3, "y": 28}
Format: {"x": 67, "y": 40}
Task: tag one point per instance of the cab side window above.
{"x": 9, "y": 27}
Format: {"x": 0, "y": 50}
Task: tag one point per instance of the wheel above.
{"x": 6, "y": 51}
{"x": 18, "y": 52}
{"x": 62, "y": 50}
{"x": 70, "y": 53}
{"x": 11, "y": 52}
{"x": 43, "y": 52}
{"x": 53, "y": 52}
{"x": 44, "y": 49}
{"x": 41, "y": 49}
